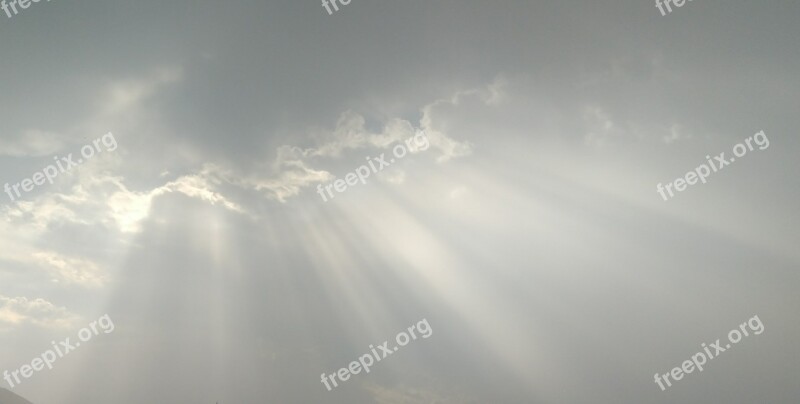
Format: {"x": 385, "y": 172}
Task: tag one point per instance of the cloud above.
{"x": 105, "y": 199}
{"x": 18, "y": 311}
{"x": 601, "y": 129}
{"x": 294, "y": 175}
{"x": 32, "y": 143}
{"x": 71, "y": 271}
{"x": 294, "y": 167}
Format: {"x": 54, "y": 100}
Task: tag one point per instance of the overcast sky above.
{"x": 530, "y": 233}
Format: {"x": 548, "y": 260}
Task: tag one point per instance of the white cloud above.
{"x": 293, "y": 168}
{"x": 18, "y": 311}
{"x": 71, "y": 271}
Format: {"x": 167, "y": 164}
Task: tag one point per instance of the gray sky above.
{"x": 529, "y": 234}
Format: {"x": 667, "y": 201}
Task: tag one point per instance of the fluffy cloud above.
{"x": 71, "y": 270}
{"x": 18, "y": 311}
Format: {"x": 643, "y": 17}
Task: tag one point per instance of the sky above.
{"x": 524, "y": 224}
